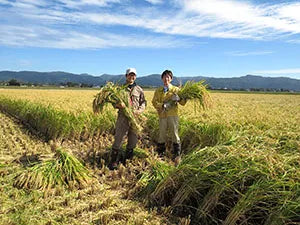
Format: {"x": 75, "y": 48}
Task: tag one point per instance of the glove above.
{"x": 175, "y": 98}
{"x": 166, "y": 106}
{"x": 120, "y": 105}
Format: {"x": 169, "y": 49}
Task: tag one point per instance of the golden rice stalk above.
{"x": 64, "y": 170}
{"x": 196, "y": 91}
{"x": 116, "y": 94}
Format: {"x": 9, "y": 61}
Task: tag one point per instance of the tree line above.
{"x": 14, "y": 82}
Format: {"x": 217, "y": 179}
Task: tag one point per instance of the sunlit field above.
{"x": 240, "y": 164}
{"x": 266, "y": 110}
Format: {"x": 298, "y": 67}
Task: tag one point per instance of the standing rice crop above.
{"x": 54, "y": 123}
{"x": 115, "y": 94}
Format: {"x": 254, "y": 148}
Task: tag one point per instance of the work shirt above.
{"x": 137, "y": 98}
{"x": 162, "y": 96}
{"x": 123, "y": 128}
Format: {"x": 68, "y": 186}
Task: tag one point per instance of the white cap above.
{"x": 131, "y": 70}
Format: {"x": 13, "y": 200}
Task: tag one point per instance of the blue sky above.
{"x": 217, "y": 38}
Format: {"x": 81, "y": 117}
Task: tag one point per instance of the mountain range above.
{"x": 154, "y": 80}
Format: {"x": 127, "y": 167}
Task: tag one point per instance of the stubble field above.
{"x": 240, "y": 165}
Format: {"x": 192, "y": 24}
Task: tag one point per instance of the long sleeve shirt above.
{"x": 160, "y": 97}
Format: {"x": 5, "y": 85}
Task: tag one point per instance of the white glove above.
{"x": 166, "y": 106}
{"x": 175, "y": 98}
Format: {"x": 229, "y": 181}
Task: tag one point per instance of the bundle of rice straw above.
{"x": 116, "y": 94}
{"x": 64, "y": 170}
{"x": 196, "y": 91}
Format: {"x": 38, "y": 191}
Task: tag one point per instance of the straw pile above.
{"x": 64, "y": 170}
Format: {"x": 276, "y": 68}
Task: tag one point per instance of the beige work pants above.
{"x": 169, "y": 124}
{"x": 123, "y": 129}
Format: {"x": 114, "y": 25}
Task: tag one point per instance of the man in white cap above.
{"x": 138, "y": 101}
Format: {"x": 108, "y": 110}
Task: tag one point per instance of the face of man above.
{"x": 166, "y": 80}
{"x": 130, "y": 78}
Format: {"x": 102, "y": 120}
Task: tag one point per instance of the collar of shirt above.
{"x": 166, "y": 89}
{"x": 130, "y": 86}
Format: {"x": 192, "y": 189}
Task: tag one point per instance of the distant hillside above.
{"x": 154, "y": 80}
{"x": 50, "y": 77}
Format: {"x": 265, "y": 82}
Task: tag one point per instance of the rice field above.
{"x": 240, "y": 165}
{"x": 103, "y": 201}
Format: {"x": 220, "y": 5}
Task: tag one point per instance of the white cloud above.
{"x": 211, "y": 18}
{"x": 245, "y": 19}
{"x": 281, "y": 71}
{"x": 24, "y": 63}
{"x": 51, "y": 38}
{"x": 290, "y": 12}
{"x": 76, "y": 3}
{"x": 154, "y": 2}
{"x": 4, "y": 2}
{"x": 66, "y": 3}
{"x": 226, "y": 9}
{"x": 34, "y": 2}
{"x": 196, "y": 18}
{"x": 28, "y": 4}
{"x": 294, "y": 41}
{"x": 240, "y": 53}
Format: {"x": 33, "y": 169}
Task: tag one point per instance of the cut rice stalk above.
{"x": 116, "y": 94}
{"x": 196, "y": 91}
{"x": 64, "y": 170}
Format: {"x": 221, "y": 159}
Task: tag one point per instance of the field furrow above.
{"x": 102, "y": 202}
{"x": 17, "y": 141}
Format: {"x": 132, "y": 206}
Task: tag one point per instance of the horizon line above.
{"x": 184, "y": 76}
